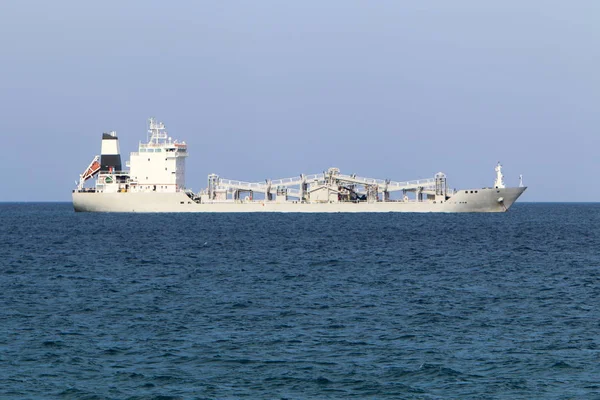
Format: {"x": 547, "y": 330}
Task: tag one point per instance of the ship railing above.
{"x": 296, "y": 180}
{"x": 241, "y": 185}
{"x": 227, "y": 201}
{"x": 388, "y": 185}
{"x": 245, "y": 201}
{"x": 286, "y": 182}
{"x": 263, "y": 186}
{"x": 162, "y": 144}
{"x": 383, "y": 185}
{"x": 360, "y": 180}
{"x": 265, "y": 201}
{"x": 314, "y": 177}
{"x": 114, "y": 172}
{"x": 417, "y": 183}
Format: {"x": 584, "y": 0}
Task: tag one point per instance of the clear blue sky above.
{"x": 270, "y": 88}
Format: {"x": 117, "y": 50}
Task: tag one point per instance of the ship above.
{"x": 153, "y": 180}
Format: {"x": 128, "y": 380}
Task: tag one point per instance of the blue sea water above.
{"x": 289, "y": 306}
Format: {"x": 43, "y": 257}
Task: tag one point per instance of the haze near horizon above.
{"x": 273, "y": 89}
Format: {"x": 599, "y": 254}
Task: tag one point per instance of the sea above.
{"x": 300, "y": 306}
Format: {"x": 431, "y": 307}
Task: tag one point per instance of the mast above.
{"x": 499, "y": 183}
{"x": 157, "y": 131}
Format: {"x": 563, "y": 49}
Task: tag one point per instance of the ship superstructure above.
{"x": 157, "y": 166}
{"x": 155, "y": 182}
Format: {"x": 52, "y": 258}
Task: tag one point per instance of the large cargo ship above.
{"x": 155, "y": 182}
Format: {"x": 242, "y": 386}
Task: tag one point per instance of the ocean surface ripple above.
{"x": 290, "y": 306}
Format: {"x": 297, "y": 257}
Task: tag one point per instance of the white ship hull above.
{"x": 155, "y": 182}
{"x": 476, "y": 200}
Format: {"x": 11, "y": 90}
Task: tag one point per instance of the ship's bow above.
{"x": 508, "y": 196}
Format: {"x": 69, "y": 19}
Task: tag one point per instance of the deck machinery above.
{"x": 330, "y": 186}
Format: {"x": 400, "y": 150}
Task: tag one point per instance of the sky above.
{"x": 271, "y": 89}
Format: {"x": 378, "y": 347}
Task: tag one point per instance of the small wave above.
{"x": 426, "y": 369}
{"x": 439, "y": 370}
{"x": 368, "y": 306}
{"x": 166, "y": 379}
{"x": 406, "y": 337}
{"x": 70, "y": 333}
{"x": 73, "y": 393}
{"x": 130, "y": 375}
{"x": 563, "y": 365}
{"x": 53, "y": 344}
{"x": 326, "y": 263}
{"x": 241, "y": 305}
{"x": 322, "y": 381}
{"x": 112, "y": 351}
{"x": 397, "y": 372}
